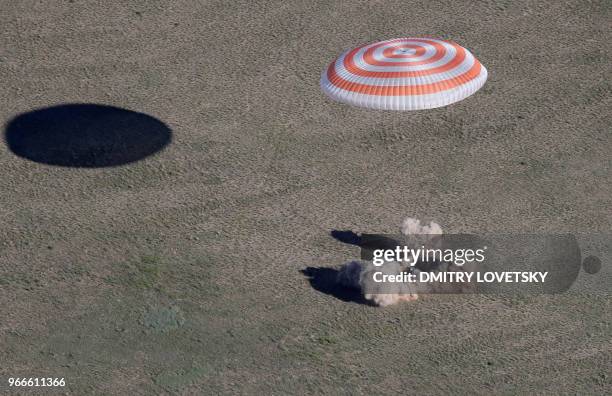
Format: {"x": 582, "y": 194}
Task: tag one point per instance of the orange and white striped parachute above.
{"x": 404, "y": 74}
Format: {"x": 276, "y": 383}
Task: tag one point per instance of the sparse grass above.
{"x": 142, "y": 274}
{"x": 327, "y": 340}
{"x": 163, "y": 319}
{"x": 21, "y": 280}
{"x": 174, "y": 381}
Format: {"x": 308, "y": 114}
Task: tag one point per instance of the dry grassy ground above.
{"x": 180, "y": 273}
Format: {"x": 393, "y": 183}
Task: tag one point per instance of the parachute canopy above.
{"x": 404, "y": 74}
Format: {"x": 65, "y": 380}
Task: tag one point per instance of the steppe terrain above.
{"x": 183, "y": 271}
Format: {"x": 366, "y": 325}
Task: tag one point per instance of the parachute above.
{"x": 404, "y": 74}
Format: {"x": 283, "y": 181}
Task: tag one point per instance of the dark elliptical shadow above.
{"x": 367, "y": 242}
{"x": 346, "y": 236}
{"x": 323, "y": 280}
{"x": 86, "y": 135}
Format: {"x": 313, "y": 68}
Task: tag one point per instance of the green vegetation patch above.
{"x": 163, "y": 319}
